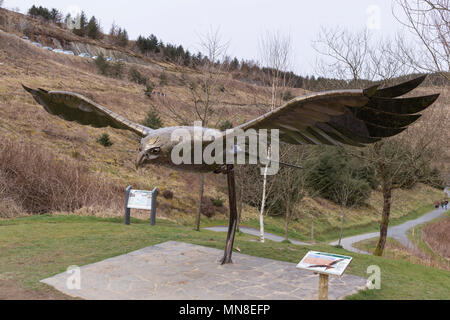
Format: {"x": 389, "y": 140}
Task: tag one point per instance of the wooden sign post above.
{"x": 140, "y": 199}
{"x": 323, "y": 286}
{"x": 324, "y": 264}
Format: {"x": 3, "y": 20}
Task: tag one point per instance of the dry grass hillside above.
{"x": 23, "y": 121}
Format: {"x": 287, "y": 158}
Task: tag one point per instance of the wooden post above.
{"x": 323, "y": 286}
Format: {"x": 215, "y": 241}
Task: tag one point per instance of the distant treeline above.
{"x": 244, "y": 70}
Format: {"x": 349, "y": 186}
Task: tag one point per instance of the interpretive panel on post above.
{"x": 140, "y": 199}
{"x": 326, "y": 263}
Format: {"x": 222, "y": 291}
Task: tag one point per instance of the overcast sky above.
{"x": 241, "y": 22}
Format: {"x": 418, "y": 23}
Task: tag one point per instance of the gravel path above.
{"x": 396, "y": 232}
{"x": 255, "y": 232}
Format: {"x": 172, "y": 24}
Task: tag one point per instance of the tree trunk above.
{"x": 286, "y": 222}
{"x": 286, "y": 229}
{"x": 240, "y": 205}
{"x": 387, "y": 194}
{"x": 199, "y": 207}
{"x": 263, "y": 202}
{"x": 342, "y": 226}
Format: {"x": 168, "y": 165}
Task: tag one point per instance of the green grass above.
{"x": 33, "y": 248}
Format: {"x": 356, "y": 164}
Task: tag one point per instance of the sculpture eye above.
{"x": 155, "y": 150}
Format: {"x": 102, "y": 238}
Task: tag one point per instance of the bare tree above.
{"x": 348, "y": 188}
{"x": 291, "y": 183}
{"x": 205, "y": 94}
{"x": 429, "y": 22}
{"x": 344, "y": 54}
{"x": 275, "y": 54}
{"x": 397, "y": 160}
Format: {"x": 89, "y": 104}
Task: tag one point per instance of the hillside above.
{"x": 21, "y": 119}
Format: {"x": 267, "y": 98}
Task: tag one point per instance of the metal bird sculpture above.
{"x": 351, "y": 117}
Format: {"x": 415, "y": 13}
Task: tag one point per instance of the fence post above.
{"x": 153, "y": 211}
{"x": 127, "y": 210}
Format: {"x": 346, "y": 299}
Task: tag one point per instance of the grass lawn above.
{"x": 33, "y": 248}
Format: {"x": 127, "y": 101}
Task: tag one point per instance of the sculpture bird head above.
{"x": 155, "y": 149}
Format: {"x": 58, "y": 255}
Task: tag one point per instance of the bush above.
{"x": 102, "y": 65}
{"x": 149, "y": 89}
{"x": 137, "y": 77}
{"x": 167, "y": 194}
{"x": 36, "y": 181}
{"x": 287, "y": 95}
{"x": 224, "y": 125}
{"x": 105, "y": 140}
{"x": 153, "y": 120}
{"x": 116, "y": 69}
{"x": 207, "y": 207}
{"x": 218, "y": 202}
{"x": 163, "y": 79}
{"x": 330, "y": 171}
{"x": 106, "y": 68}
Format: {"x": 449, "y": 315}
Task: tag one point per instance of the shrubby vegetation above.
{"x": 153, "y": 119}
{"x": 137, "y": 77}
{"x": 111, "y": 69}
{"x": 105, "y": 140}
{"x": 34, "y": 180}
{"x": 330, "y": 170}
{"x": 52, "y": 15}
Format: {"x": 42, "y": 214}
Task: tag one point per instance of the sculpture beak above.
{"x": 140, "y": 159}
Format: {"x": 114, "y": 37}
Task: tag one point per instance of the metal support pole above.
{"x": 323, "y": 286}
{"x": 127, "y": 210}
{"x": 153, "y": 211}
{"x": 233, "y": 215}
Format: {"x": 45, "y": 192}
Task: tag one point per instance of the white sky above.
{"x": 240, "y": 22}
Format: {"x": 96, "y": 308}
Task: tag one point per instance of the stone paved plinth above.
{"x": 177, "y": 270}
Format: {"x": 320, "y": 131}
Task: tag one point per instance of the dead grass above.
{"x": 395, "y": 250}
{"x": 437, "y": 236}
{"x": 35, "y": 181}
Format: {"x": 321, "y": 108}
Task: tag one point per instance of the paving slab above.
{"x": 175, "y": 270}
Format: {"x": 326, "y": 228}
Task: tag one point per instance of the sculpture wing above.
{"x": 75, "y": 107}
{"x": 353, "y": 117}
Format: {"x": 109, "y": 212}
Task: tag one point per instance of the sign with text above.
{"x": 140, "y": 199}
{"x": 325, "y": 263}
